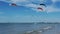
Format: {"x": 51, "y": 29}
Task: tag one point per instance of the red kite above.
{"x": 40, "y": 8}
{"x": 13, "y": 4}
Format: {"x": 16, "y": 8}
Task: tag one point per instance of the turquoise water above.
{"x": 21, "y": 28}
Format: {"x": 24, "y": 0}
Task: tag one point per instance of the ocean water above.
{"x": 21, "y": 28}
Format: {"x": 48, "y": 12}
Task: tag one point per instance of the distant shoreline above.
{"x": 33, "y": 22}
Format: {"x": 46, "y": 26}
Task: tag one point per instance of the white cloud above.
{"x": 52, "y": 9}
{"x": 55, "y": 1}
{"x": 20, "y": 1}
{"x": 29, "y": 4}
{"x": 32, "y": 5}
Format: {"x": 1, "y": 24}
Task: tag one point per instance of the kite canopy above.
{"x": 40, "y": 8}
{"x": 43, "y": 5}
{"x": 13, "y": 4}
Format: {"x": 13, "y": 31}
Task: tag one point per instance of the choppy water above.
{"x": 21, "y": 28}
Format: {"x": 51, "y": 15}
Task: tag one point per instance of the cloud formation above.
{"x": 30, "y": 4}
{"x": 55, "y": 0}
{"x": 52, "y": 9}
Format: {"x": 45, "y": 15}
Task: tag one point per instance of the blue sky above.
{"x": 24, "y": 13}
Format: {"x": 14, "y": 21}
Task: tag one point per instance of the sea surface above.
{"x": 21, "y": 28}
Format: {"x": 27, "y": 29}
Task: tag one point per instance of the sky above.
{"x": 27, "y": 11}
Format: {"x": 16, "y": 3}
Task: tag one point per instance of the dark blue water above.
{"x": 21, "y": 28}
